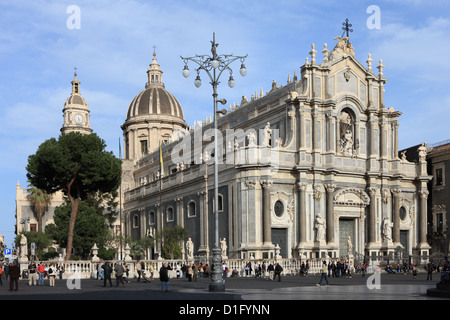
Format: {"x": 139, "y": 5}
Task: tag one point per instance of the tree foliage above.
{"x": 40, "y": 200}
{"x": 171, "y": 239}
{"x": 90, "y": 228}
{"x": 78, "y": 165}
{"x": 41, "y": 240}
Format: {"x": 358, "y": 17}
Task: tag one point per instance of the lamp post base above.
{"x": 217, "y": 282}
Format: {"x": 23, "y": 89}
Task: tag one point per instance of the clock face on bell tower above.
{"x": 76, "y": 111}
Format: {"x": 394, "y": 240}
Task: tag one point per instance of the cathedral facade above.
{"x": 309, "y": 169}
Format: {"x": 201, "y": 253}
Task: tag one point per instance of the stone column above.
{"x": 203, "y": 213}
{"x": 395, "y": 130}
{"x": 396, "y": 216}
{"x": 267, "y": 222}
{"x": 302, "y": 128}
{"x": 302, "y": 211}
{"x": 330, "y": 213}
{"x": 423, "y": 217}
{"x": 372, "y": 216}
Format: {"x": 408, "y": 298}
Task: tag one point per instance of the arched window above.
{"x": 135, "y": 221}
{"x": 191, "y": 209}
{"x": 169, "y": 214}
{"x": 220, "y": 207}
{"x": 151, "y": 219}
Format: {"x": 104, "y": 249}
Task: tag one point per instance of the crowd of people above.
{"x": 36, "y": 273}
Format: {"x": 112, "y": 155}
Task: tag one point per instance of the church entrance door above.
{"x": 279, "y": 236}
{"x": 346, "y": 229}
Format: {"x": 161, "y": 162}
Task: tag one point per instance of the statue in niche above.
{"x": 386, "y": 229}
{"x": 346, "y": 134}
{"x": 267, "y": 135}
{"x": 349, "y": 246}
{"x": 251, "y": 139}
{"x": 236, "y": 144}
{"x": 319, "y": 225}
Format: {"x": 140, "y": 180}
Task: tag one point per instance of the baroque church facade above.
{"x": 309, "y": 169}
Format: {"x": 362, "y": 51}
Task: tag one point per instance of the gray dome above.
{"x": 155, "y": 101}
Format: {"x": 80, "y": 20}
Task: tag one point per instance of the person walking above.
{"x": 195, "y": 272}
{"x": 189, "y": 272}
{"x": 1, "y": 275}
{"x": 271, "y": 270}
{"x": 51, "y": 274}
{"x": 99, "y": 271}
{"x": 429, "y": 271}
{"x": 119, "y": 274}
{"x": 126, "y": 273}
{"x": 139, "y": 270}
{"x": 164, "y": 277}
{"x": 14, "y": 275}
{"x": 6, "y": 271}
{"x": 107, "y": 269}
{"x": 278, "y": 270}
{"x": 323, "y": 274}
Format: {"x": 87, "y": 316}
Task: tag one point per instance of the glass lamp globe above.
{"x": 214, "y": 64}
{"x": 243, "y": 70}
{"x": 198, "y": 82}
{"x": 186, "y": 72}
{"x": 231, "y": 82}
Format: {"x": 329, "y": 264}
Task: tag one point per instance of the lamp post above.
{"x": 214, "y": 65}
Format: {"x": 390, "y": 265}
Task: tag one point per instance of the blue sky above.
{"x": 114, "y": 44}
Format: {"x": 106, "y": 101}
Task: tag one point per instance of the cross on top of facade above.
{"x": 346, "y": 27}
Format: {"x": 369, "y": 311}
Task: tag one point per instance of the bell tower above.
{"x": 76, "y": 111}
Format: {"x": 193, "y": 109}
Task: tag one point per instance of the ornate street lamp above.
{"x": 214, "y": 65}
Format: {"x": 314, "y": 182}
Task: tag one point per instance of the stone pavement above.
{"x": 243, "y": 297}
{"x": 391, "y": 287}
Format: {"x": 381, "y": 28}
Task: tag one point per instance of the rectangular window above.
{"x": 144, "y": 147}
{"x": 439, "y": 177}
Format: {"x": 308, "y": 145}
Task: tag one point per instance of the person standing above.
{"x": 107, "y": 274}
{"x": 1, "y": 275}
{"x": 41, "y": 273}
{"x": 119, "y": 274}
{"x": 32, "y": 275}
{"x": 60, "y": 271}
{"x": 323, "y": 274}
{"x": 14, "y": 275}
{"x": 164, "y": 278}
{"x": 51, "y": 275}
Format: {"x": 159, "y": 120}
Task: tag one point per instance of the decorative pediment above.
{"x": 351, "y": 197}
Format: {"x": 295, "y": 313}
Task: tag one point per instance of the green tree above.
{"x": 171, "y": 239}
{"x": 78, "y": 165}
{"x": 90, "y": 227}
{"x": 40, "y": 200}
{"x": 140, "y": 247}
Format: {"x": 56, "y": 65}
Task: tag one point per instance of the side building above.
{"x": 438, "y": 160}
{"x": 309, "y": 169}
